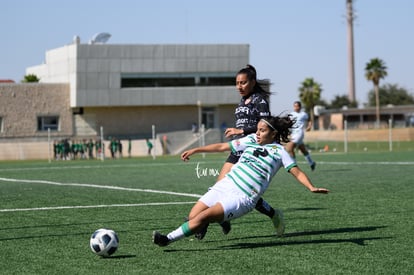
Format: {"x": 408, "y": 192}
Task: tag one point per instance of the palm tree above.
{"x": 375, "y": 70}
{"x": 310, "y": 93}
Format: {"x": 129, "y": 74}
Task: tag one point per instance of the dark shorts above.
{"x": 233, "y": 158}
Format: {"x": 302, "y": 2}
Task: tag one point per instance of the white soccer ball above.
{"x": 104, "y": 242}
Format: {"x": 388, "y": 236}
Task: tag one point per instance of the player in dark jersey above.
{"x": 253, "y": 106}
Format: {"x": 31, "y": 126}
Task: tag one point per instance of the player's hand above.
{"x": 232, "y": 131}
{"x": 185, "y": 156}
{"x": 320, "y": 190}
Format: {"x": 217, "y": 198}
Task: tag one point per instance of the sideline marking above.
{"x": 101, "y": 186}
{"x": 96, "y": 186}
{"x": 85, "y": 166}
{"x": 93, "y": 206}
{"x": 363, "y": 162}
{"x": 98, "y": 166}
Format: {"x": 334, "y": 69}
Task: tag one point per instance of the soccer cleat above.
{"x": 278, "y": 222}
{"x": 200, "y": 234}
{"x": 313, "y": 166}
{"x": 225, "y": 227}
{"x": 160, "y": 239}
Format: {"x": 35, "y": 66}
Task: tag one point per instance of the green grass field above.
{"x": 364, "y": 226}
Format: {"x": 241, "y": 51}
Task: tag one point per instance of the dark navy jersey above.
{"x": 248, "y": 115}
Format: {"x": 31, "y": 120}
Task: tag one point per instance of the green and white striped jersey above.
{"x": 257, "y": 164}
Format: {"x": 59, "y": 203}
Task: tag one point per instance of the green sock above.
{"x": 180, "y": 232}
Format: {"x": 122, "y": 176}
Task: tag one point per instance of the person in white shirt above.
{"x": 238, "y": 192}
{"x": 302, "y": 124}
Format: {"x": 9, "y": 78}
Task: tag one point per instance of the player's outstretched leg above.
{"x": 278, "y": 222}
{"x": 276, "y": 215}
{"x": 175, "y": 235}
{"x": 263, "y": 207}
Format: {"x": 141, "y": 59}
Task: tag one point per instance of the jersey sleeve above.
{"x": 287, "y": 160}
{"x": 240, "y": 144}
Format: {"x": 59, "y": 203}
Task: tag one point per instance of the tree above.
{"x": 391, "y": 94}
{"x": 30, "y": 78}
{"x": 375, "y": 70}
{"x": 342, "y": 100}
{"x": 322, "y": 102}
{"x": 309, "y": 94}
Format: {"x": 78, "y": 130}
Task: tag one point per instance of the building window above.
{"x": 47, "y": 122}
{"x": 208, "y": 117}
{"x": 175, "y": 80}
{"x": 217, "y": 81}
{"x": 157, "y": 82}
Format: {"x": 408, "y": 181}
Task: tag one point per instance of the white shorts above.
{"x": 297, "y": 137}
{"x": 234, "y": 202}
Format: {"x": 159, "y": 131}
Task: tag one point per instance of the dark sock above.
{"x": 263, "y": 207}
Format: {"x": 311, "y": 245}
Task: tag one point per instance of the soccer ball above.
{"x": 104, "y": 242}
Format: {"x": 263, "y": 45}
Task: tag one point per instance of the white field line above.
{"x": 366, "y": 162}
{"x": 94, "y": 206}
{"x": 101, "y": 186}
{"x": 95, "y": 186}
{"x": 51, "y": 167}
{"x": 140, "y": 190}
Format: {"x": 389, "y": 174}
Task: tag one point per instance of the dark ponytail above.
{"x": 283, "y": 125}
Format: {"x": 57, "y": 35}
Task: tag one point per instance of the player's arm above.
{"x": 309, "y": 125}
{"x": 303, "y": 179}
{"x": 216, "y": 147}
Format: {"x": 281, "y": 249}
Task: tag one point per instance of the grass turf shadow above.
{"x": 285, "y": 240}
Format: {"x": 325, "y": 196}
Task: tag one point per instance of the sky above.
{"x": 289, "y": 40}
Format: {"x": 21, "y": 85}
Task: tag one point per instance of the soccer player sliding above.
{"x": 237, "y": 193}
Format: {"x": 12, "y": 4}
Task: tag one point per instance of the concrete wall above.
{"x": 398, "y": 134}
{"x": 137, "y": 121}
{"x": 94, "y": 72}
{"x": 21, "y": 104}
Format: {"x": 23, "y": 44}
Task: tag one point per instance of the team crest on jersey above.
{"x": 237, "y": 141}
{"x": 274, "y": 148}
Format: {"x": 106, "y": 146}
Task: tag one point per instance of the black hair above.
{"x": 298, "y": 102}
{"x": 282, "y": 125}
{"x": 251, "y": 74}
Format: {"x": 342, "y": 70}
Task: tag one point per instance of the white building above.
{"x": 128, "y": 88}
